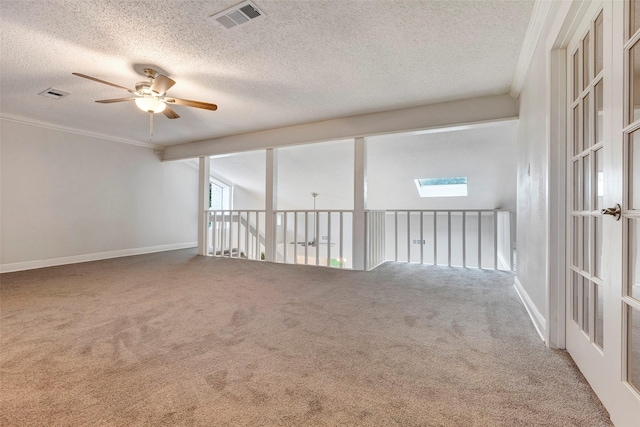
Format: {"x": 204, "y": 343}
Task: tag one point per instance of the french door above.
{"x": 603, "y": 204}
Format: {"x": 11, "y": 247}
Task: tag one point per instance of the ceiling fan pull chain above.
{"x": 150, "y": 127}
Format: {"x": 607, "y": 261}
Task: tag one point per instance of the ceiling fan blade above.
{"x": 170, "y": 113}
{"x": 189, "y": 103}
{"x": 161, "y": 84}
{"x": 109, "y": 101}
{"x": 84, "y": 76}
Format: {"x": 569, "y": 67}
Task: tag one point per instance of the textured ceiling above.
{"x": 304, "y": 61}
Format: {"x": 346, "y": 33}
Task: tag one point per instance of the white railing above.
{"x": 236, "y": 234}
{"x": 464, "y": 238}
{"x": 375, "y": 238}
{"x": 314, "y": 237}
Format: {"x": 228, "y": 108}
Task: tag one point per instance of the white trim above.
{"x": 46, "y": 125}
{"x": 441, "y": 115}
{"x": 536, "y": 317}
{"x": 539, "y": 16}
{"x": 30, "y": 265}
{"x": 503, "y": 264}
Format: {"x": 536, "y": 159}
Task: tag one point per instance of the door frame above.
{"x": 568, "y": 16}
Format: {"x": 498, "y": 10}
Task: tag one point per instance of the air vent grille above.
{"x": 54, "y": 93}
{"x": 250, "y": 11}
{"x": 238, "y": 15}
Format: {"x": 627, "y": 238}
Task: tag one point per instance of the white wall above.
{"x": 69, "y": 196}
{"x": 246, "y": 173}
{"x": 485, "y": 155}
{"x": 325, "y": 168}
{"x": 532, "y": 182}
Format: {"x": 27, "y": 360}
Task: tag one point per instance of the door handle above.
{"x": 615, "y": 211}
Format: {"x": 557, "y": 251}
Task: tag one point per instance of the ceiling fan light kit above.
{"x": 150, "y": 104}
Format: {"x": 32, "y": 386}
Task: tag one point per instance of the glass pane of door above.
{"x": 586, "y": 123}
{"x": 576, "y": 75}
{"x": 634, "y": 170}
{"x": 634, "y": 83}
{"x": 633, "y": 347}
{"x": 575, "y": 295}
{"x": 598, "y": 44}
{"x": 599, "y": 300}
{"x": 585, "y": 325}
{"x": 634, "y": 259}
{"x": 586, "y": 55}
{"x": 598, "y": 112}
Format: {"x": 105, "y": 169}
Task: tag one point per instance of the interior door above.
{"x": 603, "y": 299}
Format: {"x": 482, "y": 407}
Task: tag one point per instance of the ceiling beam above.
{"x": 446, "y": 114}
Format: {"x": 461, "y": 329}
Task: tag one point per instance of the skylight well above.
{"x": 442, "y": 187}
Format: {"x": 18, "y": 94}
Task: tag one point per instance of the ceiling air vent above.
{"x": 54, "y": 93}
{"x": 238, "y": 15}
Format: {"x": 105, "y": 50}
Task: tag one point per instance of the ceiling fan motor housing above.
{"x": 143, "y": 88}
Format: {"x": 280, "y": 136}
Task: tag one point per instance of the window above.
{"x": 442, "y": 187}
{"x": 219, "y": 195}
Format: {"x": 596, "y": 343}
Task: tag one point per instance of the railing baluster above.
{"x": 225, "y": 231}
{"x": 231, "y": 233}
{"x": 306, "y": 238}
{"x": 341, "y": 262}
{"x": 479, "y": 239}
{"x": 255, "y": 239}
{"x": 421, "y": 238}
{"x": 408, "y": 236}
{"x": 328, "y": 239}
{"x": 223, "y": 225}
{"x": 449, "y": 238}
{"x": 316, "y": 237}
{"x": 435, "y": 238}
{"x": 247, "y": 230}
{"x": 464, "y": 239}
{"x": 284, "y": 236}
{"x": 214, "y": 235}
{"x": 395, "y": 215}
{"x": 295, "y": 237}
{"x": 495, "y": 240}
{"x": 238, "y": 237}
{"x": 383, "y": 243}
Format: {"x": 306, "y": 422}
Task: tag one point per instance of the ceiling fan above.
{"x": 151, "y": 96}
{"x": 313, "y": 243}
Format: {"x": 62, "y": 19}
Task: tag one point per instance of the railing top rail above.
{"x": 439, "y": 210}
{"x": 233, "y": 210}
{"x": 312, "y": 210}
{"x": 351, "y": 210}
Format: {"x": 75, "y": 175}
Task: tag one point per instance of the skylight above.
{"x": 442, "y": 187}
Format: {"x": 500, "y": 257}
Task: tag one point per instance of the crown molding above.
{"x": 539, "y": 17}
{"x": 47, "y": 125}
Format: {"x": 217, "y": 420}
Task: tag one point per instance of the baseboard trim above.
{"x": 537, "y": 318}
{"x": 503, "y": 264}
{"x": 31, "y": 265}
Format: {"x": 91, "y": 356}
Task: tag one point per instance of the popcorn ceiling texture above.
{"x": 305, "y": 61}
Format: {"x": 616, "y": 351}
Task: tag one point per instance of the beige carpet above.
{"x": 175, "y": 339}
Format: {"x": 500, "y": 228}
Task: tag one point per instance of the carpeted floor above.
{"x": 179, "y": 340}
